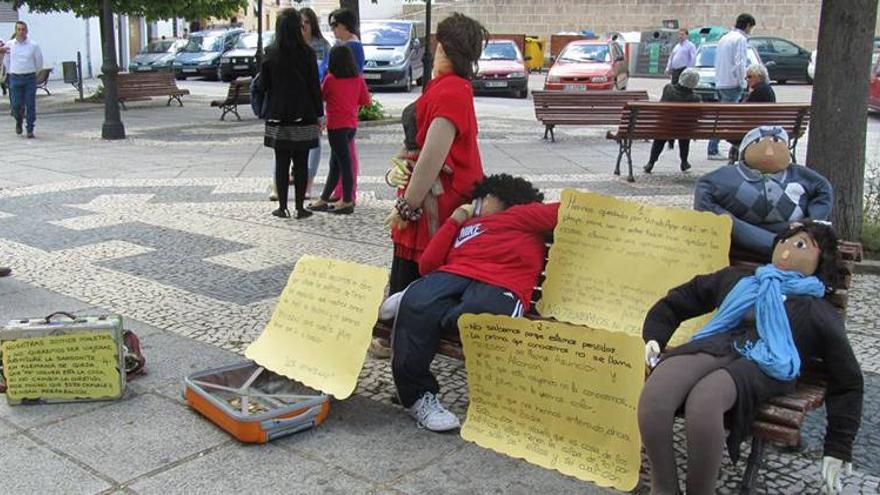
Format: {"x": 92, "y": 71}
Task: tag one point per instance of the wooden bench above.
{"x": 554, "y": 108}
{"x": 656, "y": 120}
{"x": 132, "y": 85}
{"x": 779, "y": 420}
{"x": 239, "y": 93}
{"x": 43, "y": 80}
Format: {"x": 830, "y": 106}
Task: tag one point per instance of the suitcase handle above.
{"x": 61, "y": 313}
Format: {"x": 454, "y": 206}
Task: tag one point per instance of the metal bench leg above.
{"x": 546, "y": 131}
{"x": 224, "y": 109}
{"x": 170, "y": 98}
{"x": 552, "y": 134}
{"x": 122, "y": 105}
{"x": 756, "y": 459}
{"x": 46, "y": 90}
{"x": 235, "y": 111}
{"x": 629, "y": 162}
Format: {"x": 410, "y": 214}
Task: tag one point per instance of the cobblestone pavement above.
{"x": 202, "y": 258}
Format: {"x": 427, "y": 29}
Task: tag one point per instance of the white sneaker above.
{"x": 429, "y": 413}
{"x": 388, "y": 310}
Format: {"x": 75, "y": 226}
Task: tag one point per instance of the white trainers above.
{"x": 429, "y": 413}
{"x": 388, "y": 310}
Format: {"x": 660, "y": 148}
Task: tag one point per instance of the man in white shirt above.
{"x": 684, "y": 55}
{"x": 22, "y": 60}
{"x": 731, "y": 63}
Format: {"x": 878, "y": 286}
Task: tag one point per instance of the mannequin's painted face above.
{"x": 768, "y": 155}
{"x": 798, "y": 253}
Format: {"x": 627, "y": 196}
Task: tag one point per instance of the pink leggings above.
{"x": 707, "y": 391}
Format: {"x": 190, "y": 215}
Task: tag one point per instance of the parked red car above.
{"x": 589, "y": 65}
{"x": 502, "y": 69}
{"x": 874, "y": 85}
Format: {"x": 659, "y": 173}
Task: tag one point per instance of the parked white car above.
{"x": 811, "y": 69}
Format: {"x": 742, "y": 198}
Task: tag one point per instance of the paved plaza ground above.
{"x": 171, "y": 229}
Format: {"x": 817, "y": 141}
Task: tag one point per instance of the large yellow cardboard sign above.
{"x": 73, "y": 366}
{"x": 611, "y": 260}
{"x": 560, "y": 396}
{"x": 322, "y": 324}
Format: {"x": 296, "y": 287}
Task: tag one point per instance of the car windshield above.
{"x": 200, "y": 43}
{"x": 250, "y": 40}
{"x": 385, "y": 33}
{"x": 499, "y": 51}
{"x": 163, "y": 46}
{"x": 706, "y": 56}
{"x": 585, "y": 53}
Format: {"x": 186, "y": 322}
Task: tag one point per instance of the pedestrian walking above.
{"x": 684, "y": 55}
{"x": 22, "y": 60}
{"x": 344, "y": 92}
{"x": 731, "y": 63}
{"x": 295, "y": 114}
{"x": 313, "y": 36}
{"x": 681, "y": 91}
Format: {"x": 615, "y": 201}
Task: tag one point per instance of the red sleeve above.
{"x": 326, "y": 87}
{"x": 434, "y": 255}
{"x": 455, "y": 103}
{"x": 364, "y": 99}
{"x": 535, "y": 217}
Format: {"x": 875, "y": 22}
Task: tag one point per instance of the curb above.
{"x": 868, "y": 267}
{"x": 377, "y": 123}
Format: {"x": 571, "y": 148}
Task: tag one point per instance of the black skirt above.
{"x": 292, "y": 137}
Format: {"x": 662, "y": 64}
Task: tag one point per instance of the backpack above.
{"x": 259, "y": 98}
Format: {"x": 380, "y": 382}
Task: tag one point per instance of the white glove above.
{"x": 832, "y": 468}
{"x": 652, "y": 353}
{"x": 398, "y": 174}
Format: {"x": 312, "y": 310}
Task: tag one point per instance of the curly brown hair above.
{"x": 463, "y": 39}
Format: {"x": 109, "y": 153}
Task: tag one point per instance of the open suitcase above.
{"x": 254, "y": 404}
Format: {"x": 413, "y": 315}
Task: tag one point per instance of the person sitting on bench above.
{"x": 764, "y": 193}
{"x": 767, "y": 324}
{"x": 486, "y": 258}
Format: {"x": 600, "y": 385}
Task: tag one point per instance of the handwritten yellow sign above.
{"x": 62, "y": 367}
{"x": 560, "y": 396}
{"x": 611, "y": 260}
{"x": 322, "y": 324}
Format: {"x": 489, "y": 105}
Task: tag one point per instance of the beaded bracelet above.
{"x": 406, "y": 211}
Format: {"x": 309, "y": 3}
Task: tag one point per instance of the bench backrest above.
{"x": 586, "y": 107}
{"x": 239, "y": 91}
{"x": 43, "y": 76}
{"x": 661, "y": 120}
{"x": 146, "y": 83}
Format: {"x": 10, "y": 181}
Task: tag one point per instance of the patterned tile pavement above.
{"x": 202, "y": 258}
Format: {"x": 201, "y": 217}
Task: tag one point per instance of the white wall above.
{"x": 60, "y": 36}
{"x": 385, "y": 9}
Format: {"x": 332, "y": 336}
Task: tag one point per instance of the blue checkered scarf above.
{"x": 774, "y": 351}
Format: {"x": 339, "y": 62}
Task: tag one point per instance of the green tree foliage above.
{"x": 150, "y": 9}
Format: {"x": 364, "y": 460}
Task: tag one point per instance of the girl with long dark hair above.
{"x": 313, "y": 36}
{"x": 295, "y": 114}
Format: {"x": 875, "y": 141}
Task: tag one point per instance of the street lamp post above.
{"x": 259, "y": 55}
{"x": 428, "y": 59}
{"x": 112, "y": 128}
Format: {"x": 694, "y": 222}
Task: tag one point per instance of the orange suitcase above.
{"x": 254, "y": 404}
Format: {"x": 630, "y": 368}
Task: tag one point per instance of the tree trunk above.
{"x": 838, "y": 125}
{"x": 112, "y": 128}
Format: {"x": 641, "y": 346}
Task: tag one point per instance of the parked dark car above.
{"x": 157, "y": 55}
{"x": 242, "y": 60}
{"x": 785, "y": 61}
{"x": 201, "y": 54}
{"x": 501, "y": 69}
{"x": 393, "y": 53}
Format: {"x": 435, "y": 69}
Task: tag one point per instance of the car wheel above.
{"x": 780, "y": 81}
{"x": 407, "y": 83}
{"x": 226, "y": 77}
{"x": 523, "y": 93}
{"x": 180, "y": 77}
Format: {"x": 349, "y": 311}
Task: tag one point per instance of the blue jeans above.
{"x": 314, "y": 161}
{"x": 725, "y": 95}
{"x": 23, "y": 92}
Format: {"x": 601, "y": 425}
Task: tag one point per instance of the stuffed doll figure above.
{"x": 766, "y": 325}
{"x": 764, "y": 192}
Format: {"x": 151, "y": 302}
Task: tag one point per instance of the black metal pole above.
{"x": 428, "y": 60}
{"x": 259, "y": 55}
{"x": 112, "y": 128}
{"x": 79, "y": 75}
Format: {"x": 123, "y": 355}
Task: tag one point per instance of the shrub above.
{"x": 373, "y": 111}
{"x": 871, "y": 209}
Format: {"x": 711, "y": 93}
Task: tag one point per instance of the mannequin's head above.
{"x": 765, "y": 149}
{"x": 501, "y": 191}
{"x": 810, "y": 248}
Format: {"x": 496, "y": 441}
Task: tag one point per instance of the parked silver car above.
{"x": 706, "y": 67}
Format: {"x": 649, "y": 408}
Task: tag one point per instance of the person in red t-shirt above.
{"x": 344, "y": 91}
{"x": 447, "y": 140}
{"x": 485, "y": 258}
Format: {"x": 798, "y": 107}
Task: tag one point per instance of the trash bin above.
{"x": 68, "y": 70}
{"x": 535, "y": 52}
